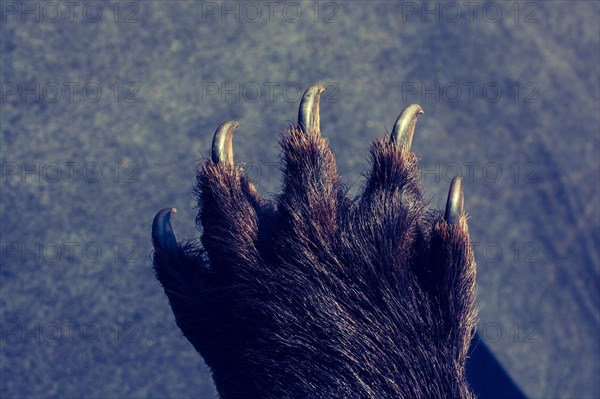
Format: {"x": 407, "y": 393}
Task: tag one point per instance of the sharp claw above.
{"x": 404, "y": 128}
{"x": 308, "y": 114}
{"x": 222, "y": 148}
{"x": 455, "y": 206}
{"x": 162, "y": 232}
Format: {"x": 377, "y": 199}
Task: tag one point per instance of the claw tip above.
{"x": 455, "y": 205}
{"x": 309, "y": 114}
{"x": 404, "y": 127}
{"x": 222, "y": 145}
{"x": 162, "y": 232}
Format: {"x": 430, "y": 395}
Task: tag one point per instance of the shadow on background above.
{"x": 486, "y": 375}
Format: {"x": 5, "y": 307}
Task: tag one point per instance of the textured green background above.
{"x": 83, "y": 324}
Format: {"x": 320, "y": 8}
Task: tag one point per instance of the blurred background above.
{"x": 108, "y": 107}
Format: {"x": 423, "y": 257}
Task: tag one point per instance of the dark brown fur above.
{"x": 320, "y": 296}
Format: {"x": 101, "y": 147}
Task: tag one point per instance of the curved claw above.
{"x": 308, "y": 114}
{"x": 162, "y": 232}
{"x": 455, "y": 205}
{"x": 404, "y": 127}
{"x": 222, "y": 148}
